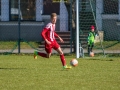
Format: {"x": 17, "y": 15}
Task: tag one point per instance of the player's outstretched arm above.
{"x": 56, "y": 35}
{"x": 61, "y": 39}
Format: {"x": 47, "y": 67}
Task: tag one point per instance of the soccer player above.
{"x": 49, "y": 34}
{"x": 91, "y": 39}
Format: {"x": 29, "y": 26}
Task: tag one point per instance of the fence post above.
{"x": 19, "y": 39}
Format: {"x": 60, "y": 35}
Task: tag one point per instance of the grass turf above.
{"x": 109, "y": 45}
{"x": 22, "y": 72}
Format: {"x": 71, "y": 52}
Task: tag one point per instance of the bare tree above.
{"x": 71, "y": 5}
{"x": 68, "y": 5}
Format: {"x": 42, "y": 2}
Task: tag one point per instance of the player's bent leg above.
{"x": 67, "y": 67}
{"x": 59, "y": 50}
{"x": 48, "y": 55}
{"x": 62, "y": 58}
{"x": 92, "y": 45}
{"x": 88, "y": 49}
{"x": 35, "y": 54}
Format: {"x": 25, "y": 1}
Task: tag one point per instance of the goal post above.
{"x": 77, "y": 29}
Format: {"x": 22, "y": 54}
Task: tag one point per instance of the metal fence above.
{"x": 23, "y": 20}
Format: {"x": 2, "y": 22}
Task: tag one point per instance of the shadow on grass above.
{"x": 11, "y": 68}
{"x": 100, "y": 59}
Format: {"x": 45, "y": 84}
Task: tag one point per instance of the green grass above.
{"x": 109, "y": 45}
{"x": 22, "y": 72}
{"x": 13, "y": 44}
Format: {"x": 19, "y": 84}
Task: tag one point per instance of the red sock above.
{"x": 42, "y": 54}
{"x": 63, "y": 60}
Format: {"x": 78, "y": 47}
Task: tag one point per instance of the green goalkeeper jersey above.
{"x": 91, "y": 37}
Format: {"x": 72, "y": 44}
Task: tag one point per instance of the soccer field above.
{"x": 22, "y": 72}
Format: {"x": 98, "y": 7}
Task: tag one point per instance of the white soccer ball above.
{"x": 91, "y": 54}
{"x": 74, "y": 62}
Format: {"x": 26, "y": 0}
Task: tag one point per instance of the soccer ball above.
{"x": 74, "y": 62}
{"x": 91, "y": 54}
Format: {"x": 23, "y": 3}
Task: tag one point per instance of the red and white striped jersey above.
{"x": 49, "y": 32}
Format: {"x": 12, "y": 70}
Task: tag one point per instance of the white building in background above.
{"x": 33, "y": 10}
{"x": 4, "y": 10}
{"x": 107, "y": 13}
{"x": 37, "y": 8}
{"x": 30, "y": 10}
{"x": 63, "y": 17}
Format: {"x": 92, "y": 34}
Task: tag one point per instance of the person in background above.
{"x": 91, "y": 39}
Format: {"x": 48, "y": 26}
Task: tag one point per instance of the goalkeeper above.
{"x": 91, "y": 39}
